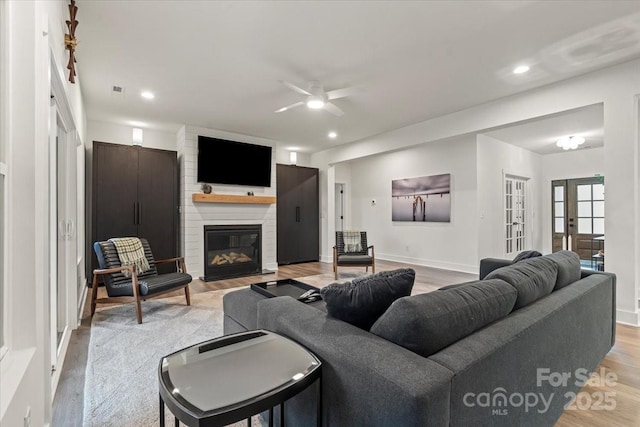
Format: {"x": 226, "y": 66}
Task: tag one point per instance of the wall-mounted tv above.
{"x": 230, "y": 162}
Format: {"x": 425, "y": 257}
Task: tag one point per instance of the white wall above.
{"x": 32, "y": 30}
{"x": 566, "y": 165}
{"x": 282, "y": 157}
{"x": 616, "y": 87}
{"x": 196, "y": 215}
{"x": 121, "y": 134}
{"x": 495, "y": 160}
{"x": 451, "y": 245}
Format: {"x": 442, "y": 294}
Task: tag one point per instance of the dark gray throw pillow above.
{"x": 427, "y": 323}
{"x": 361, "y": 301}
{"x": 533, "y": 278}
{"x": 525, "y": 255}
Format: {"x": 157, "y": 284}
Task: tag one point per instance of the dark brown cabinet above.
{"x": 135, "y": 193}
{"x": 297, "y": 214}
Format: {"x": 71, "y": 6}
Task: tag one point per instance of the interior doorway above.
{"x": 578, "y": 219}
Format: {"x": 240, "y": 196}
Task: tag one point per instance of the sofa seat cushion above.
{"x": 354, "y": 259}
{"x": 163, "y": 282}
{"x": 569, "y": 269}
{"x": 242, "y": 307}
{"x": 361, "y": 301}
{"x": 427, "y": 323}
{"x": 533, "y": 278}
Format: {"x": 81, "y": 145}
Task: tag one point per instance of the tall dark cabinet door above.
{"x": 115, "y": 174}
{"x": 309, "y": 216}
{"x": 297, "y": 214}
{"x": 288, "y": 228}
{"x": 158, "y": 201}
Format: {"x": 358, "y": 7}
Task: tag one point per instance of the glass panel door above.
{"x": 578, "y": 219}
{"x": 515, "y": 215}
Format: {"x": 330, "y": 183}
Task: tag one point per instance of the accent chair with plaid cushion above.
{"x": 351, "y": 250}
{"x": 136, "y": 287}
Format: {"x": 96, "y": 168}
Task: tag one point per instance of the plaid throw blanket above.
{"x": 352, "y": 241}
{"x": 130, "y": 252}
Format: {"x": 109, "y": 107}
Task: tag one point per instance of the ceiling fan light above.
{"x": 570, "y": 142}
{"x": 315, "y": 102}
{"x": 577, "y": 140}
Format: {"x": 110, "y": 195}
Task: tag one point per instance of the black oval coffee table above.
{"x": 231, "y": 378}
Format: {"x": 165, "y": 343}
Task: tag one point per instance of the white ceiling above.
{"x": 217, "y": 64}
{"x": 541, "y": 135}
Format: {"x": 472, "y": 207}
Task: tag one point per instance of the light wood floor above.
{"x": 623, "y": 359}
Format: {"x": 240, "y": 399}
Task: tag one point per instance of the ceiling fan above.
{"x": 317, "y": 98}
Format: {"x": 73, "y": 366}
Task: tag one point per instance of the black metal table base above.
{"x": 281, "y": 418}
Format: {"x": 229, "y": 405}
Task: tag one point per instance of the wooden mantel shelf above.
{"x": 232, "y": 198}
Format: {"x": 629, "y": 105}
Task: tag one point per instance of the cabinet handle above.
{"x": 297, "y": 213}
{"x": 139, "y": 209}
{"x": 135, "y": 213}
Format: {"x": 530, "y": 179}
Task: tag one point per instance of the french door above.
{"x": 515, "y": 206}
{"x": 578, "y": 219}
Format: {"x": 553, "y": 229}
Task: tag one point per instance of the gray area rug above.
{"x": 121, "y": 382}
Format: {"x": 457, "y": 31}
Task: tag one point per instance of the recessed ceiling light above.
{"x": 147, "y": 95}
{"x": 521, "y": 69}
{"x": 332, "y": 135}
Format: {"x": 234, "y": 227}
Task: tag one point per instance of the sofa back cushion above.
{"x": 568, "y": 263}
{"x": 533, "y": 278}
{"x": 361, "y": 301}
{"x": 427, "y": 323}
{"x": 525, "y": 255}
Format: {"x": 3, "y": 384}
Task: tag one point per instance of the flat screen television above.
{"x": 230, "y": 162}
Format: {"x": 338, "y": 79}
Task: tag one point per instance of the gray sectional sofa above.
{"x": 485, "y": 353}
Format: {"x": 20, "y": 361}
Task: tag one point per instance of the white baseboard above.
{"x": 83, "y": 299}
{"x": 326, "y": 258}
{"x": 464, "y": 268}
{"x": 472, "y": 269}
{"x": 628, "y": 317}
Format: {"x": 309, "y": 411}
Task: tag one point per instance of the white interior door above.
{"x": 515, "y": 207}
{"x": 62, "y": 232}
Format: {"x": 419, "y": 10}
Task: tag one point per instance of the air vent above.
{"x": 117, "y": 91}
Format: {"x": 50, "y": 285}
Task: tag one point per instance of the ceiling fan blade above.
{"x": 341, "y": 93}
{"x": 288, "y": 107}
{"x": 294, "y": 88}
{"x": 333, "y": 109}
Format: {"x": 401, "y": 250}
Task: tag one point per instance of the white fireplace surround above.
{"x": 196, "y": 215}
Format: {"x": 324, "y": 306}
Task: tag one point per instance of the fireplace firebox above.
{"x": 232, "y": 251}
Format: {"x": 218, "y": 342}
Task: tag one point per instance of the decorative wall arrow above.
{"x": 70, "y": 41}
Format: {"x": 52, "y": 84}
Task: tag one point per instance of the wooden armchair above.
{"x": 137, "y": 287}
{"x": 364, "y": 257}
